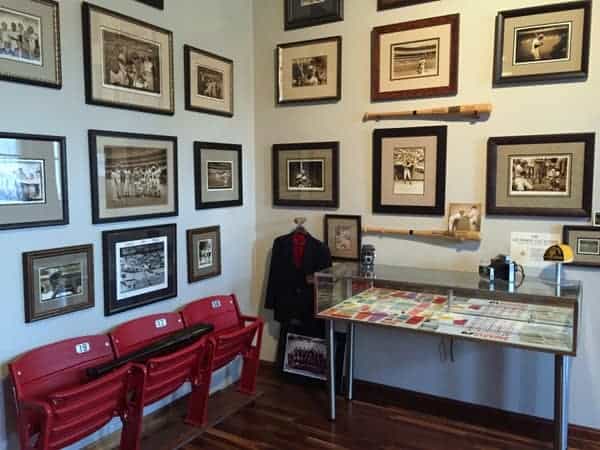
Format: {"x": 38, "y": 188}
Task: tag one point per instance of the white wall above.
{"x": 223, "y": 27}
{"x": 510, "y": 379}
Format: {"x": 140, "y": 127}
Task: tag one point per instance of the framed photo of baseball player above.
{"x": 585, "y": 242}
{"x": 203, "y": 253}
{"x": 58, "y": 281}
{"x": 545, "y": 175}
{"x": 389, "y": 4}
{"x": 343, "y": 236}
{"x": 308, "y": 13}
{"x": 133, "y": 176}
{"x": 543, "y": 43}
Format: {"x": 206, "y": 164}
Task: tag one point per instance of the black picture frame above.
{"x": 93, "y": 135}
{"x": 578, "y": 75}
{"x": 158, "y": 4}
{"x": 201, "y": 201}
{"x": 587, "y": 184}
{"x": 217, "y": 266}
{"x": 567, "y": 229}
{"x": 318, "y": 14}
{"x": 358, "y": 223}
{"x": 439, "y": 208}
{"x": 383, "y": 5}
{"x": 278, "y": 152}
{"x": 112, "y": 305}
{"x": 64, "y": 185}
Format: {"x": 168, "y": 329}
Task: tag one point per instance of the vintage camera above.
{"x": 367, "y": 256}
{"x": 501, "y": 267}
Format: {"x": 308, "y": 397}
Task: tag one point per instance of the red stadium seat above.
{"x": 58, "y": 405}
{"x": 166, "y": 374}
{"x": 233, "y": 334}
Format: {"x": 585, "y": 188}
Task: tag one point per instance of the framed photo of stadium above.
{"x": 128, "y": 63}
{"x": 543, "y": 43}
{"x": 415, "y": 59}
{"x": 544, "y": 175}
{"x": 203, "y": 253}
{"x": 343, "y": 236}
{"x": 389, "y": 4}
{"x": 585, "y": 242}
{"x": 133, "y": 176}
{"x": 58, "y": 281}
{"x": 140, "y": 267}
{"x": 308, "y": 13}
{"x": 218, "y": 175}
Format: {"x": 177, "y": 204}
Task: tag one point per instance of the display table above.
{"x": 537, "y": 316}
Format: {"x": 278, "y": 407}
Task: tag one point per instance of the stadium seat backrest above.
{"x": 221, "y": 311}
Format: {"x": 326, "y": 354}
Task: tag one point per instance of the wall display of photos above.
{"x": 308, "y": 13}
{"x": 204, "y": 253}
{"x": 389, "y": 4}
{"x": 343, "y": 236}
{"x": 585, "y": 242}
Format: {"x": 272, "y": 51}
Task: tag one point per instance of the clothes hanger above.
{"x": 300, "y": 221}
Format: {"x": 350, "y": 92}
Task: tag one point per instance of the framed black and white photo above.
{"x": 158, "y": 4}
{"x": 543, "y": 43}
{"x": 308, "y": 13}
{"x": 585, "y": 242}
{"x": 203, "y": 253}
{"x": 218, "y": 175}
{"x": 389, "y": 4}
{"x": 128, "y": 63}
{"x": 33, "y": 181}
{"x": 546, "y": 175}
{"x": 58, "y": 281}
{"x": 306, "y": 174}
{"x": 208, "y": 82}
{"x": 309, "y": 71}
{"x": 343, "y": 236}
{"x": 133, "y": 176}
{"x": 30, "y": 42}
{"x": 140, "y": 267}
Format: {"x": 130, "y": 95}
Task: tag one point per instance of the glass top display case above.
{"x": 537, "y": 315}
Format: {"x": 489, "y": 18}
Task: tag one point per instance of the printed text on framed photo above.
{"x": 203, "y": 253}
{"x": 308, "y": 13}
{"x": 585, "y": 242}
{"x": 218, "y": 175}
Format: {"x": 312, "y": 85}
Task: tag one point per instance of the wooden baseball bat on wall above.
{"x": 469, "y": 111}
{"x": 439, "y": 234}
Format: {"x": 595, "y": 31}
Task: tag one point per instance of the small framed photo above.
{"x": 596, "y": 219}
{"x": 309, "y": 71}
{"x": 306, "y": 174}
{"x": 415, "y": 59}
{"x": 389, "y": 4}
{"x": 134, "y": 176}
{"x": 208, "y": 82}
{"x": 30, "y": 42}
{"x": 158, "y": 4}
{"x": 203, "y": 253}
{"x": 545, "y": 175}
{"x": 33, "y": 181}
{"x": 543, "y": 43}
{"x": 58, "y": 281}
{"x": 464, "y": 218}
{"x": 308, "y": 13}
{"x": 343, "y": 236}
{"x": 409, "y": 170}
{"x": 140, "y": 267}
{"x": 585, "y": 242}
{"x": 128, "y": 63}
{"x": 218, "y": 175}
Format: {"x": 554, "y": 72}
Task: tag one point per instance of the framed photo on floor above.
{"x": 159, "y": 4}
{"x": 208, "y": 82}
{"x": 585, "y": 242}
{"x": 140, "y": 267}
{"x": 545, "y": 175}
{"x": 389, "y": 4}
{"x": 543, "y": 43}
{"x": 218, "y": 175}
{"x": 33, "y": 181}
{"x": 128, "y": 63}
{"x": 133, "y": 176}
{"x": 409, "y": 170}
{"x": 415, "y": 59}
{"x": 30, "y": 42}
{"x": 309, "y": 71}
{"x": 203, "y": 253}
{"x": 343, "y": 236}
{"x": 308, "y": 13}
{"x": 58, "y": 281}
{"x": 306, "y": 174}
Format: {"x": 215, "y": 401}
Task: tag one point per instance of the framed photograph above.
{"x": 30, "y": 42}
{"x": 464, "y": 218}
{"x": 203, "y": 253}
{"x": 58, "y": 281}
{"x": 543, "y": 43}
{"x": 596, "y": 219}
{"x": 208, "y": 82}
{"x": 415, "y": 59}
{"x": 218, "y": 175}
{"x": 309, "y": 71}
{"x": 409, "y": 170}
{"x": 306, "y": 174}
{"x": 134, "y": 176}
{"x": 128, "y": 63}
{"x": 308, "y": 13}
{"x": 33, "y": 181}
{"x": 546, "y": 175}
{"x": 140, "y": 267}
{"x": 585, "y": 242}
{"x": 343, "y": 236}
{"x": 389, "y": 4}
{"x": 158, "y": 4}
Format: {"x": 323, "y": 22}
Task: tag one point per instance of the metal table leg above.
{"x": 331, "y": 366}
{"x": 561, "y": 402}
{"x": 350, "y": 339}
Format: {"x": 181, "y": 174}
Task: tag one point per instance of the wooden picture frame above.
{"x": 382, "y": 5}
{"x": 585, "y": 242}
{"x": 341, "y": 247}
{"x": 327, "y": 11}
{"x": 204, "y": 257}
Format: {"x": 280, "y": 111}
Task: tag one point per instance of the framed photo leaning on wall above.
{"x": 308, "y": 13}
{"x": 409, "y": 170}
{"x": 415, "y": 59}
{"x": 585, "y": 242}
{"x": 343, "y": 236}
{"x": 545, "y": 175}
{"x": 389, "y": 4}
{"x": 203, "y": 253}
{"x": 128, "y": 63}
{"x": 30, "y": 42}
{"x": 543, "y": 43}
